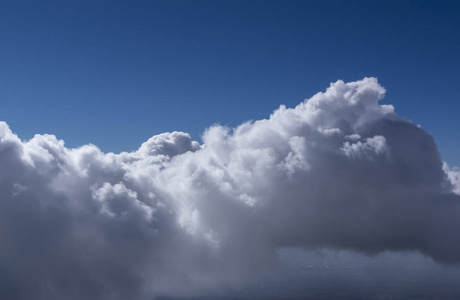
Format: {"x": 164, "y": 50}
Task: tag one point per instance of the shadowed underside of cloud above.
{"x": 338, "y": 171}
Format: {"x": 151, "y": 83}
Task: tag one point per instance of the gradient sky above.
{"x": 114, "y": 73}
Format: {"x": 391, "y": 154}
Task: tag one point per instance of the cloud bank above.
{"x": 339, "y": 171}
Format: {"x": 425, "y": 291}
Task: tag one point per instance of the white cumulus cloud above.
{"x": 339, "y": 171}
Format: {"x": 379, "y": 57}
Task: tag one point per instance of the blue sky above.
{"x": 114, "y": 73}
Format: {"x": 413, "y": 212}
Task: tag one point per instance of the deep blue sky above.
{"x": 114, "y": 73}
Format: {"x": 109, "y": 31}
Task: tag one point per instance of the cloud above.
{"x": 339, "y": 171}
{"x": 454, "y": 177}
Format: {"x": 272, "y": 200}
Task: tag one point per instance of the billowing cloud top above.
{"x": 338, "y": 171}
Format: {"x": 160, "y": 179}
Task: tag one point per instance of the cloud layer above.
{"x": 175, "y": 217}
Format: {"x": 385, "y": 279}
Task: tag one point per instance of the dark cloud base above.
{"x": 179, "y": 219}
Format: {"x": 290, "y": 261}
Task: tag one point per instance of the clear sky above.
{"x": 114, "y": 73}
